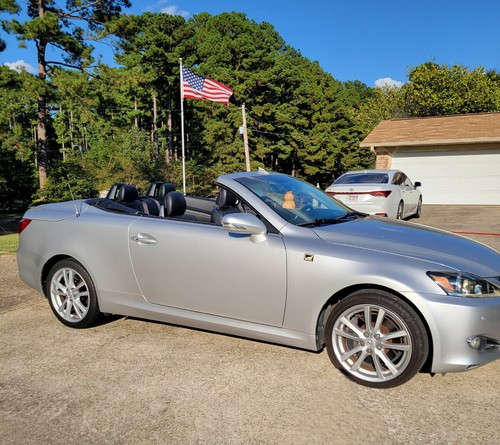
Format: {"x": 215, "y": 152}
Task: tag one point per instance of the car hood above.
{"x": 444, "y": 249}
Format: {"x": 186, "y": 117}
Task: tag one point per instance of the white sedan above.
{"x": 379, "y": 192}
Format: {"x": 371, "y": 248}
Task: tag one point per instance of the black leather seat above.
{"x": 128, "y": 195}
{"x": 159, "y": 189}
{"x": 113, "y": 191}
{"x": 226, "y": 202}
{"x": 149, "y": 205}
{"x": 156, "y": 194}
{"x": 174, "y": 206}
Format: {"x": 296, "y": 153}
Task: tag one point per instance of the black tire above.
{"x": 386, "y": 354}
{"x": 400, "y": 212}
{"x": 72, "y": 295}
{"x": 418, "y": 213}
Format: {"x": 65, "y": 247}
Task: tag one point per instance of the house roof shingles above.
{"x": 441, "y": 130}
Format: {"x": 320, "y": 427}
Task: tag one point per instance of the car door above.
{"x": 411, "y": 195}
{"x": 201, "y": 267}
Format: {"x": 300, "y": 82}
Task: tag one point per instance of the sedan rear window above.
{"x": 363, "y": 178}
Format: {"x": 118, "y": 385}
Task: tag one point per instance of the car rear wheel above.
{"x": 72, "y": 294}
{"x": 376, "y": 339}
{"x": 400, "y": 212}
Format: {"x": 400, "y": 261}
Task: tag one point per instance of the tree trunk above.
{"x": 154, "y": 136}
{"x": 136, "y": 117}
{"x": 169, "y": 154}
{"x": 41, "y": 133}
{"x": 41, "y": 141}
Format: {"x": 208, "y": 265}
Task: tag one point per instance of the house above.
{"x": 456, "y": 158}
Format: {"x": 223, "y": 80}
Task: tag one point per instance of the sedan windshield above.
{"x": 296, "y": 201}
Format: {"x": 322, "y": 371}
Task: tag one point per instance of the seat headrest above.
{"x": 164, "y": 189}
{"x": 127, "y": 193}
{"x": 174, "y": 204}
{"x": 153, "y": 188}
{"x": 225, "y": 198}
{"x": 159, "y": 189}
{"x": 112, "y": 193}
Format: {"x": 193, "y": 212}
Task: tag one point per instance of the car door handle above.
{"x": 144, "y": 238}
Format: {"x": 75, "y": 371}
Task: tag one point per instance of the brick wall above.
{"x": 384, "y": 159}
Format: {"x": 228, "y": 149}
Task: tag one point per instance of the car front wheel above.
{"x": 376, "y": 339}
{"x": 72, "y": 294}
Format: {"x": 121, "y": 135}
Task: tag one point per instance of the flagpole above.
{"x": 182, "y": 132}
{"x": 245, "y": 137}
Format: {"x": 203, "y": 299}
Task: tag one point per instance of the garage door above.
{"x": 454, "y": 177}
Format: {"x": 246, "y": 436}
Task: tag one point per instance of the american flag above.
{"x": 199, "y": 87}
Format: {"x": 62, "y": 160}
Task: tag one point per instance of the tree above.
{"x": 11, "y": 7}
{"x": 57, "y": 27}
{"x": 384, "y": 103}
{"x": 17, "y": 121}
{"x": 297, "y": 118}
{"x": 436, "y": 90}
{"x": 149, "y": 49}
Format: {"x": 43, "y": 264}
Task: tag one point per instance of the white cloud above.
{"x": 388, "y": 82}
{"x": 174, "y": 10}
{"x": 20, "y": 65}
{"x": 163, "y": 7}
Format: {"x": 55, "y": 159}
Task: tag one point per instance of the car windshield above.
{"x": 363, "y": 178}
{"x": 296, "y": 201}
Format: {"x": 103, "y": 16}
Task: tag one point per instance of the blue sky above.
{"x": 366, "y": 40}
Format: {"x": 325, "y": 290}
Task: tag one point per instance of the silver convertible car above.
{"x": 275, "y": 259}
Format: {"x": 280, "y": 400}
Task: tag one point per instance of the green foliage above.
{"x": 17, "y": 118}
{"x": 67, "y": 180}
{"x": 9, "y": 6}
{"x": 200, "y": 179}
{"x": 432, "y": 90}
{"x": 17, "y": 177}
{"x": 384, "y": 103}
{"x": 18, "y": 100}
{"x": 51, "y": 25}
{"x": 123, "y": 123}
{"x": 436, "y": 90}
{"x": 128, "y": 157}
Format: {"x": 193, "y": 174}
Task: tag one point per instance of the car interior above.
{"x": 162, "y": 200}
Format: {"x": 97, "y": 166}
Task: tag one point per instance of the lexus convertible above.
{"x": 275, "y": 259}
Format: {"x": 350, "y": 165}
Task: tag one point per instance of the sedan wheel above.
{"x": 72, "y": 295}
{"x": 376, "y": 339}
{"x": 418, "y": 213}
{"x": 399, "y": 214}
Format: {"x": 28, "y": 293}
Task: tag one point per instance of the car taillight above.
{"x": 384, "y": 193}
{"x": 23, "y": 224}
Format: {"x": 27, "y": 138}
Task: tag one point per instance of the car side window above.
{"x": 397, "y": 179}
{"x": 407, "y": 181}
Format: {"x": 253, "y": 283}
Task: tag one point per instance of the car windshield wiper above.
{"x": 320, "y": 221}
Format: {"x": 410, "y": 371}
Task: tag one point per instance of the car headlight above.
{"x": 461, "y": 284}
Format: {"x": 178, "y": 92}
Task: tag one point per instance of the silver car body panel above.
{"x": 202, "y": 276}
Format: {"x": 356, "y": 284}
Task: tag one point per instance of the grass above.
{"x": 9, "y": 243}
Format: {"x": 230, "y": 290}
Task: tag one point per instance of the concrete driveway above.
{"x": 129, "y": 381}
{"x": 481, "y": 223}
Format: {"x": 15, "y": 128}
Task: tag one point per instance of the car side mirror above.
{"x": 245, "y": 224}
{"x": 418, "y": 184}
